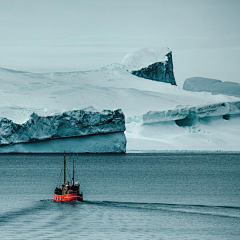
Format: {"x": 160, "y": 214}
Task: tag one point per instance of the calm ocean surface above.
{"x": 127, "y": 196}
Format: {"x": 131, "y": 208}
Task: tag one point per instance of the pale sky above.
{"x": 60, "y": 35}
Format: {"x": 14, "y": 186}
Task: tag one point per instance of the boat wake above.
{"x": 31, "y": 210}
{"x": 220, "y": 211}
{"x": 48, "y": 206}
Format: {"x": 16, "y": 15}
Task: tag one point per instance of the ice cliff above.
{"x": 202, "y": 127}
{"x": 153, "y": 64}
{"x": 69, "y": 125}
{"x": 199, "y": 84}
{"x": 179, "y": 113}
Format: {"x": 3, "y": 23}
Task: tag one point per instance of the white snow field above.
{"x": 144, "y": 57}
{"x": 179, "y": 119}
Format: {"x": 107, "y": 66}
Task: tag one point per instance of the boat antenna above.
{"x": 64, "y": 163}
{"x": 73, "y": 172}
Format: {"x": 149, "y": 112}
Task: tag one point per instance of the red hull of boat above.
{"x": 68, "y": 197}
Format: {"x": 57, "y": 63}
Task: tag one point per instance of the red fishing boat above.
{"x": 69, "y": 190}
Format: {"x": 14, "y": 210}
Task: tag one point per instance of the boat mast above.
{"x": 64, "y": 163}
{"x": 73, "y": 172}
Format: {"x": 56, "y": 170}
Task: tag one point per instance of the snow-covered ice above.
{"x": 142, "y": 58}
{"x": 113, "y": 87}
{"x": 209, "y": 110}
{"x": 199, "y": 84}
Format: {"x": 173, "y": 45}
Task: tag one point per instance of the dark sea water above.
{"x": 128, "y": 196}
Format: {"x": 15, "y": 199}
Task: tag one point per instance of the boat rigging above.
{"x": 68, "y": 191}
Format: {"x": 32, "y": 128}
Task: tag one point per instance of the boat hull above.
{"x": 68, "y": 197}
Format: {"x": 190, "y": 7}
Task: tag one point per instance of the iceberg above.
{"x": 199, "y": 84}
{"x": 158, "y": 116}
{"x": 102, "y": 132}
{"x": 144, "y": 57}
{"x": 99, "y": 143}
{"x": 153, "y": 64}
{"x": 210, "y": 110}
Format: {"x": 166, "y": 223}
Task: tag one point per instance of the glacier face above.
{"x": 199, "y": 84}
{"x": 160, "y": 71}
{"x": 70, "y": 124}
{"x": 153, "y": 64}
{"x": 98, "y": 143}
{"x": 210, "y": 110}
